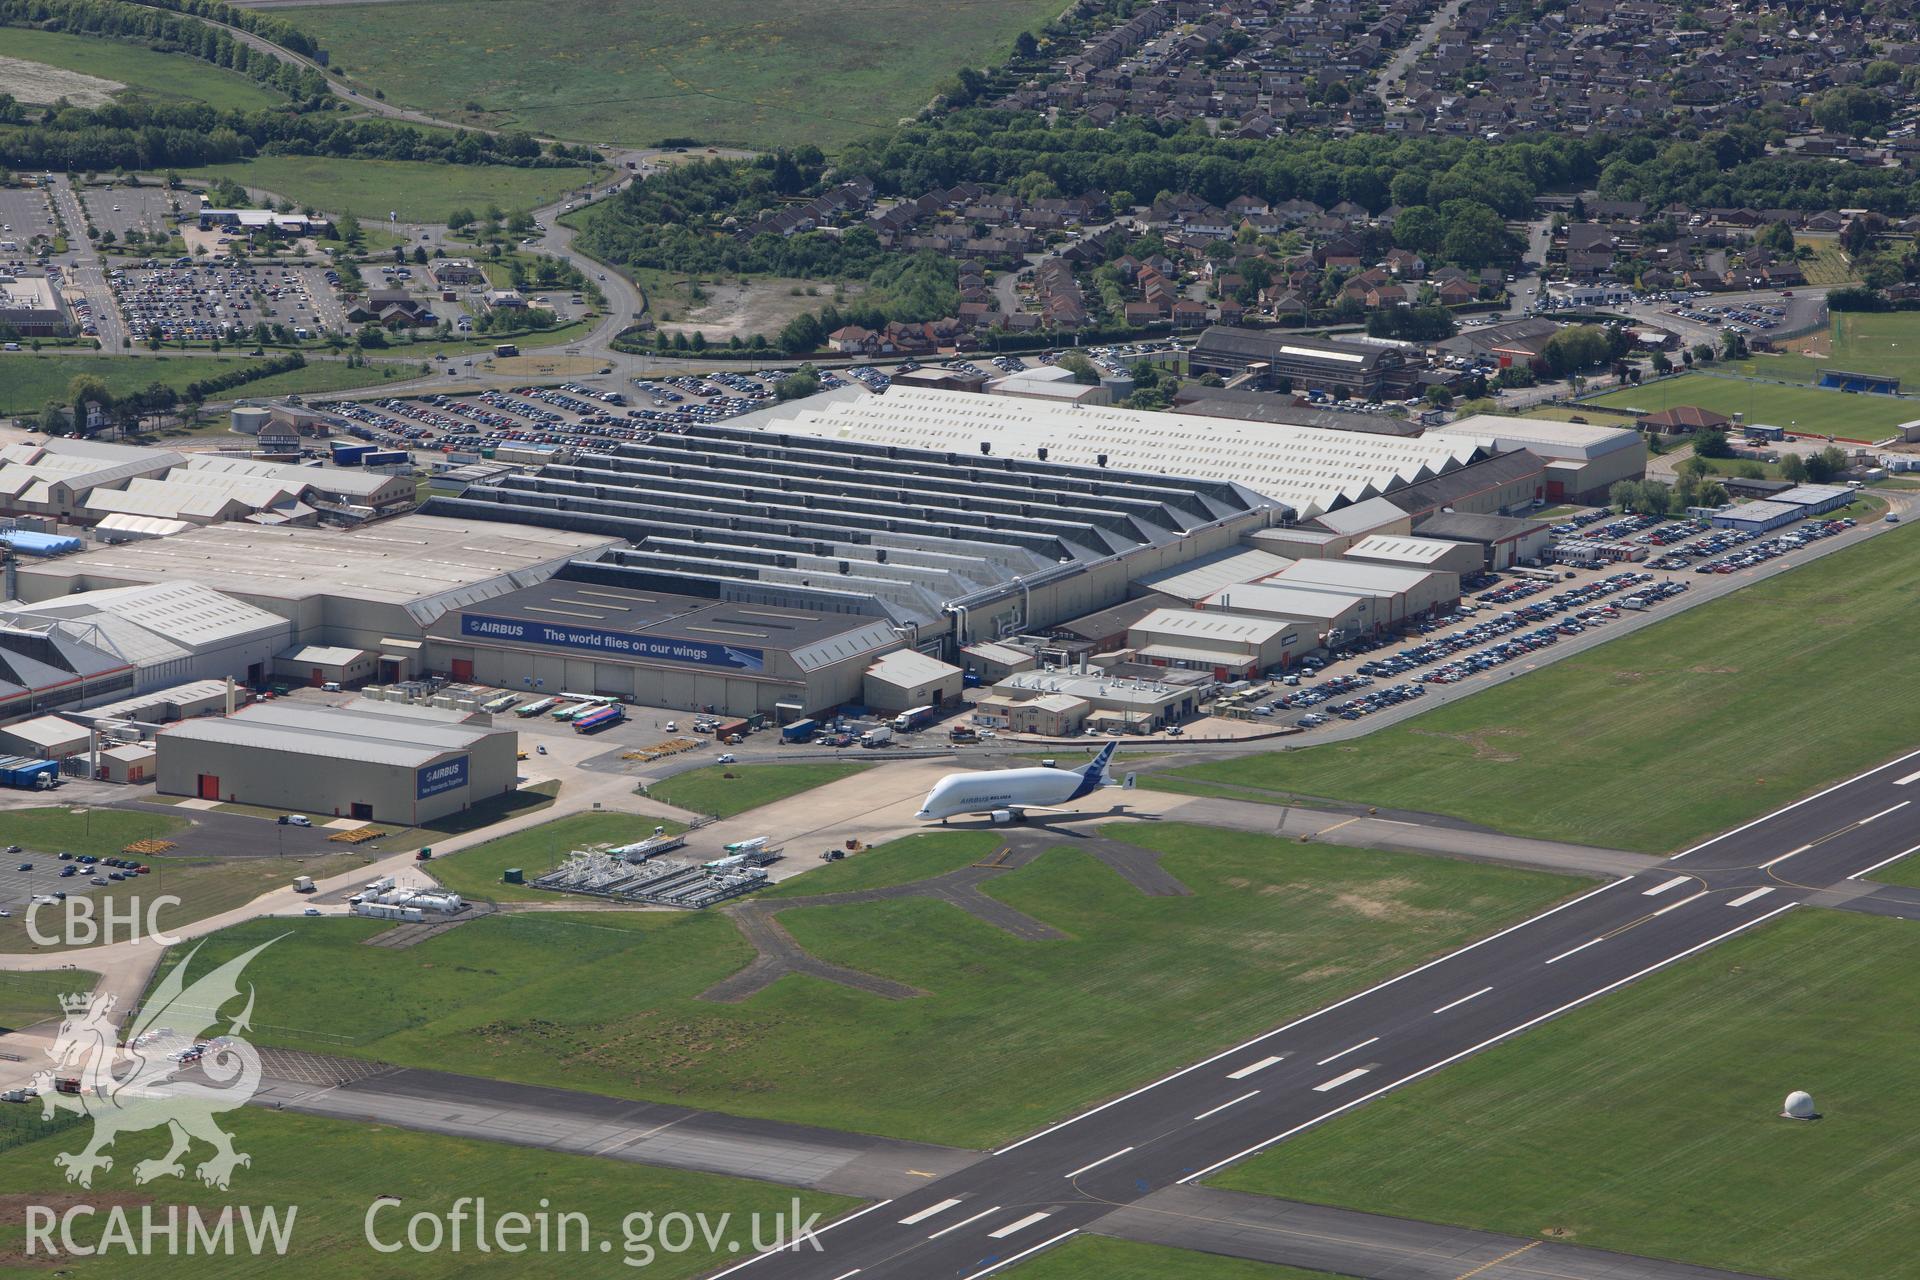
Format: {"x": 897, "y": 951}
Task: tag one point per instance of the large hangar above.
{"x": 400, "y": 764}
{"x": 659, "y": 649}
{"x": 946, "y": 546}
{"x": 365, "y": 588}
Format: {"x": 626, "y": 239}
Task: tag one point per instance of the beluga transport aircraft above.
{"x": 1005, "y": 795}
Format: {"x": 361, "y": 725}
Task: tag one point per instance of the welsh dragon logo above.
{"x": 133, "y": 1086}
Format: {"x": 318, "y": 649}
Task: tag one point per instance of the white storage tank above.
{"x": 249, "y": 419}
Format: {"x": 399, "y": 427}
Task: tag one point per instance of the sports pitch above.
{"x": 1802, "y": 409}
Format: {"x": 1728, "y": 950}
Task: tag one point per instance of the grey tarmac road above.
{"x": 1174, "y": 1132}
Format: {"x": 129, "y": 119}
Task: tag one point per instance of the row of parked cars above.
{"x": 1760, "y": 551}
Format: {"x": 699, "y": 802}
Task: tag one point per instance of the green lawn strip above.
{"x": 1798, "y": 408}
{"x": 329, "y": 1172}
{"x": 28, "y": 382}
{"x": 147, "y": 73}
{"x": 1651, "y": 741}
{"x": 711, "y": 791}
{"x": 725, "y": 71}
{"x": 82, "y": 829}
{"x": 605, "y": 1001}
{"x": 27, "y": 998}
{"x": 476, "y": 872}
{"x": 1605, "y": 1127}
{"x": 1906, "y": 871}
{"x": 1100, "y": 1258}
{"x": 898, "y": 862}
{"x": 418, "y": 190}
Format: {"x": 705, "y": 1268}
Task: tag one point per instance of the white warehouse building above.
{"x": 175, "y": 632}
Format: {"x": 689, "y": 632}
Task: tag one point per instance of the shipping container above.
{"x": 799, "y": 731}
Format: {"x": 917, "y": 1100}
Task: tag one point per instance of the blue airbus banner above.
{"x": 435, "y": 778}
{"x": 622, "y": 644}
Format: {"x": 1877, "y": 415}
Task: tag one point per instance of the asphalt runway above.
{"x": 1176, "y": 1131}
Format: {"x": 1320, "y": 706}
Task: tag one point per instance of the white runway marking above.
{"x": 1317, "y": 1013}
{"x": 1884, "y": 812}
{"x": 1860, "y": 875}
{"x": 1223, "y": 1106}
{"x": 1097, "y": 1163}
{"x": 1724, "y": 835}
{"x": 1344, "y": 1052}
{"x": 992, "y": 1267}
{"x": 839, "y": 1222}
{"x": 1337, "y": 1081}
{"x": 967, "y": 1222}
{"x": 848, "y": 1275}
{"x": 1674, "y": 883}
{"x": 1783, "y": 857}
{"x": 1463, "y": 999}
{"x": 1576, "y": 951}
{"x": 1250, "y": 1068}
{"x": 1745, "y": 898}
{"x": 1510, "y": 1032}
{"x": 1018, "y": 1224}
{"x": 928, "y": 1212}
{"x": 1675, "y": 906}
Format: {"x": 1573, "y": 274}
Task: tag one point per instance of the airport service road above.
{"x": 1178, "y": 1130}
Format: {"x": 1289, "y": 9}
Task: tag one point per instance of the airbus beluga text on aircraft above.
{"x": 1006, "y": 794}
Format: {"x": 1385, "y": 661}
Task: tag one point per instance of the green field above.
{"x": 711, "y": 791}
{"x": 329, "y": 1172}
{"x": 476, "y": 872}
{"x": 1648, "y": 1123}
{"x": 1099, "y": 1258}
{"x": 1653, "y": 740}
{"x": 418, "y": 190}
{"x": 722, "y": 71}
{"x": 27, "y": 998}
{"x": 1802, "y": 409}
{"x": 604, "y": 1001}
{"x": 28, "y": 382}
{"x": 147, "y": 73}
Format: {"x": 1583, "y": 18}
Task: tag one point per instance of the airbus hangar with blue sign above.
{"x": 378, "y": 762}
{"x": 583, "y": 633}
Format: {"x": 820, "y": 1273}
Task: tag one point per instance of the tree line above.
{"x": 149, "y": 135}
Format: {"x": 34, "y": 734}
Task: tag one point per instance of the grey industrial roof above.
{"x": 1208, "y": 574}
{"x": 1266, "y": 344}
{"x": 190, "y": 615}
{"x": 1466, "y": 526}
{"x": 1808, "y": 495}
{"x": 909, "y": 667}
{"x": 1266, "y": 406}
{"x": 862, "y": 526}
{"x": 1469, "y": 481}
{"x": 402, "y": 561}
{"x": 1361, "y": 517}
{"x": 332, "y": 733}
